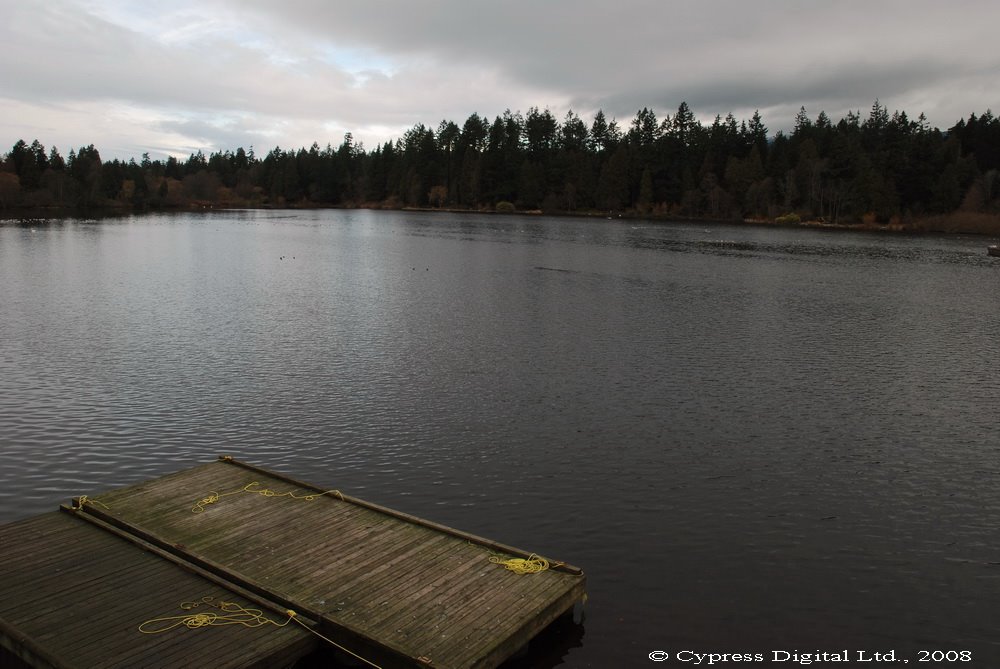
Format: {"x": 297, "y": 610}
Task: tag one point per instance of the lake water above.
{"x": 751, "y": 439}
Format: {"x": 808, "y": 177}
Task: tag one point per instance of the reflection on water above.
{"x": 750, "y": 438}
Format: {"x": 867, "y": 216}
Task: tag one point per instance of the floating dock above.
{"x": 388, "y": 588}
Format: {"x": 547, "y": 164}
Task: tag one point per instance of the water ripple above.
{"x": 736, "y": 421}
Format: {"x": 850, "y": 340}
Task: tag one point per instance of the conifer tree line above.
{"x": 879, "y": 168}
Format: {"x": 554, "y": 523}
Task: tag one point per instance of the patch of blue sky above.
{"x": 189, "y": 24}
{"x": 183, "y": 22}
{"x": 358, "y": 62}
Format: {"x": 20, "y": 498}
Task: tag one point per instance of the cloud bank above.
{"x": 217, "y": 74}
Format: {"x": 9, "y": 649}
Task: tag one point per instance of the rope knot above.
{"x": 200, "y": 505}
{"x": 83, "y": 499}
{"x": 199, "y": 620}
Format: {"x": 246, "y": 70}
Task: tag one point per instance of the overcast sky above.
{"x": 185, "y": 75}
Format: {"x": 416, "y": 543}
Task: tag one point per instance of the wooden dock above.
{"x": 390, "y": 588}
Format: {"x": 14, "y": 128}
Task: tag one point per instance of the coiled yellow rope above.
{"x": 530, "y": 565}
{"x": 231, "y": 613}
{"x": 214, "y": 497}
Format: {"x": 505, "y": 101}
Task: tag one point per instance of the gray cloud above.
{"x": 835, "y": 89}
{"x": 598, "y": 43}
{"x": 215, "y": 73}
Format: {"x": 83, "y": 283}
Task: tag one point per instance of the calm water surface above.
{"x": 751, "y": 439}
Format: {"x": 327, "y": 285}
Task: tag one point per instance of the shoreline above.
{"x": 970, "y": 223}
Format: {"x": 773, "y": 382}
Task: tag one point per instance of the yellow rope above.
{"x": 530, "y": 565}
{"x": 231, "y": 613}
{"x": 83, "y": 499}
{"x": 214, "y": 497}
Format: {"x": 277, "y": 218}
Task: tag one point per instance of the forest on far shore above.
{"x": 874, "y": 170}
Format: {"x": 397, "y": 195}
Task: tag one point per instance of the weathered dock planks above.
{"x": 390, "y": 587}
{"x": 73, "y": 595}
